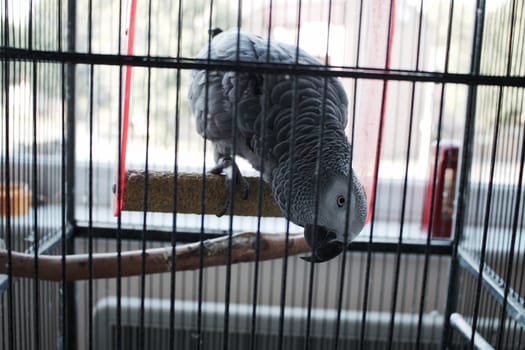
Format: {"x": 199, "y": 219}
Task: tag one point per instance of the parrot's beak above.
{"x": 323, "y": 243}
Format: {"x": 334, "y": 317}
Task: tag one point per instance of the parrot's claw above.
{"x": 233, "y": 177}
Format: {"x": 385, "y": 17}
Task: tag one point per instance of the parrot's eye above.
{"x": 340, "y": 200}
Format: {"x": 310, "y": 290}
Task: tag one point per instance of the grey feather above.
{"x": 279, "y": 119}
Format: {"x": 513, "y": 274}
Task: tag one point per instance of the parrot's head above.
{"x": 341, "y": 215}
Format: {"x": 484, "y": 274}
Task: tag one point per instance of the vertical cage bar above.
{"x": 69, "y": 294}
{"x": 397, "y": 272}
{"x": 433, "y": 194}
{"x": 464, "y": 176}
{"x": 200, "y": 278}
{"x": 291, "y": 169}
{"x": 173, "y": 276}
{"x": 7, "y": 178}
{"x": 375, "y": 178}
{"x": 70, "y": 112}
{"x": 69, "y": 322}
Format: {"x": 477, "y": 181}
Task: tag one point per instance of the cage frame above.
{"x": 459, "y": 259}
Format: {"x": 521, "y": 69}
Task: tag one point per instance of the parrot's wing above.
{"x": 335, "y": 91}
{"x": 260, "y": 96}
{"x": 212, "y": 116}
{"x": 231, "y": 94}
{"x": 215, "y": 109}
{"x": 337, "y": 95}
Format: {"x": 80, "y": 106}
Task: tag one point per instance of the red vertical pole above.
{"x": 130, "y": 33}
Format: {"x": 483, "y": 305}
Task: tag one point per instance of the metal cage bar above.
{"x": 483, "y": 284}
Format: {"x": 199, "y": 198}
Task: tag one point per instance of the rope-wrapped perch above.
{"x": 161, "y": 189}
{"x": 104, "y": 265}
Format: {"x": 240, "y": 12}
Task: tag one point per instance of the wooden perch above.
{"x": 187, "y": 256}
{"x": 161, "y": 186}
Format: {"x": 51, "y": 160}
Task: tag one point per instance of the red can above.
{"x": 443, "y": 205}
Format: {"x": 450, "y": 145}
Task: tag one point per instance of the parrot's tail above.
{"x": 215, "y": 31}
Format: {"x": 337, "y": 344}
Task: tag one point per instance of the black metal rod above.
{"x": 292, "y": 142}
{"x": 70, "y": 113}
{"x": 464, "y": 176}
{"x": 68, "y": 289}
{"x": 36, "y": 231}
{"x": 275, "y": 68}
{"x": 7, "y": 180}
{"x": 70, "y": 295}
{"x": 438, "y": 247}
{"x": 237, "y": 94}
{"x": 494, "y": 285}
{"x": 203, "y": 187}
{"x": 375, "y": 181}
{"x": 142, "y": 283}
{"x": 317, "y": 185}
{"x": 173, "y": 278}
{"x": 342, "y": 266}
{"x": 435, "y": 165}
{"x": 265, "y": 107}
{"x": 44, "y": 248}
{"x": 463, "y": 328}
{"x": 395, "y": 286}
{"x": 516, "y": 210}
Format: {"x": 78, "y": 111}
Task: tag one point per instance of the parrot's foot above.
{"x": 233, "y": 177}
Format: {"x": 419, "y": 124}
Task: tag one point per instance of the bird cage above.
{"x": 291, "y": 174}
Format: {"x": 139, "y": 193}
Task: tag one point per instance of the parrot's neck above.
{"x": 294, "y": 186}
{"x": 300, "y": 169}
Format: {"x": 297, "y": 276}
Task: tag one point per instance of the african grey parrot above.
{"x": 278, "y": 127}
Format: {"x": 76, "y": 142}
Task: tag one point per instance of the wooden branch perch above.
{"x": 104, "y": 265}
{"x": 161, "y": 187}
